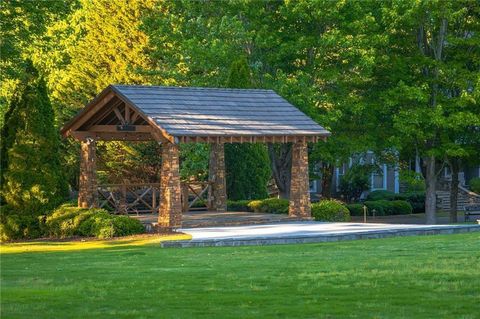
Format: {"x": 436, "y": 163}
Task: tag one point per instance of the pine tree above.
{"x": 247, "y": 165}
{"x": 32, "y": 176}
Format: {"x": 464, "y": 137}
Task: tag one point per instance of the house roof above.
{"x": 217, "y": 112}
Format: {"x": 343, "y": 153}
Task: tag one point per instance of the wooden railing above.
{"x": 193, "y": 193}
{"x": 144, "y": 198}
{"x": 130, "y": 198}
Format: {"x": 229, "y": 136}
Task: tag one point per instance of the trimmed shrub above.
{"x": 377, "y": 206}
{"x": 385, "y": 207}
{"x": 67, "y": 221}
{"x": 238, "y": 205}
{"x": 475, "y": 185}
{"x": 416, "y": 199}
{"x": 330, "y": 211}
{"x": 355, "y": 209}
{"x": 270, "y": 206}
{"x": 400, "y": 207}
{"x": 381, "y": 195}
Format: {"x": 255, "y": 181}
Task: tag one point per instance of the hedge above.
{"x": 416, "y": 199}
{"x": 385, "y": 207}
{"x": 355, "y": 209}
{"x": 330, "y": 211}
{"x": 238, "y": 205}
{"x": 270, "y": 206}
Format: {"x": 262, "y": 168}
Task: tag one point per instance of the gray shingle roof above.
{"x": 186, "y": 111}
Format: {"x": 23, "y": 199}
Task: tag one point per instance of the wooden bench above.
{"x": 472, "y": 211}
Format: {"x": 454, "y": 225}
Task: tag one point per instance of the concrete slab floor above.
{"x": 299, "y": 229}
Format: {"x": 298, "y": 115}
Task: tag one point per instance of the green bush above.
{"x": 330, "y": 211}
{"x": 377, "y": 206}
{"x": 355, "y": 209}
{"x": 416, "y": 199}
{"x": 475, "y": 185}
{"x": 15, "y": 226}
{"x": 238, "y": 206}
{"x": 381, "y": 195}
{"x": 270, "y": 206}
{"x": 385, "y": 207}
{"x": 67, "y": 221}
{"x": 400, "y": 207}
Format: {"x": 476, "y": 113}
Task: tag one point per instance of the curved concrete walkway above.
{"x": 306, "y": 232}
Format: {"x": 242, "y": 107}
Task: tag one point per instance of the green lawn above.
{"x": 410, "y": 277}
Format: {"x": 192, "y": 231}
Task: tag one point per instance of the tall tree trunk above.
{"x": 327, "y": 173}
{"x": 455, "y": 168}
{"x": 430, "y": 193}
{"x": 281, "y": 163}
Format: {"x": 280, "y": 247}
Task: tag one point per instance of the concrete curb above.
{"x": 318, "y": 238}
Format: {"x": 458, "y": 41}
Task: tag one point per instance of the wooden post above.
{"x": 299, "y": 185}
{"x": 170, "y": 212}
{"x": 217, "y": 199}
{"x": 123, "y": 199}
{"x": 88, "y": 193}
{"x": 185, "y": 194}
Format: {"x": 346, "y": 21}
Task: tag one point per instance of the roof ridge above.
{"x": 189, "y": 87}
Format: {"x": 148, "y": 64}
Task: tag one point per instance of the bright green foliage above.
{"x": 330, "y": 210}
{"x": 33, "y": 178}
{"x": 68, "y": 221}
{"x": 269, "y": 206}
{"x": 475, "y": 185}
{"x": 247, "y": 165}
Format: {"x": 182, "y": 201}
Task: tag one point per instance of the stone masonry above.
{"x": 87, "y": 195}
{"x": 170, "y": 213}
{"x": 299, "y": 188}
{"x": 218, "y": 194}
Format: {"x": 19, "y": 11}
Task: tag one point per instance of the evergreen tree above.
{"x": 247, "y": 165}
{"x": 32, "y": 176}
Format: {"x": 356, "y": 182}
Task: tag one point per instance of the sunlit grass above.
{"x": 403, "y": 277}
{"x": 51, "y": 246}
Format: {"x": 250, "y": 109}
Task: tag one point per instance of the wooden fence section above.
{"x": 130, "y": 198}
{"x": 195, "y": 195}
{"x": 144, "y": 198}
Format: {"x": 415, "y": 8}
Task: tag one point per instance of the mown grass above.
{"x": 409, "y": 277}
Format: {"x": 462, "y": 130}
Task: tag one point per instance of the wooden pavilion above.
{"x": 173, "y": 115}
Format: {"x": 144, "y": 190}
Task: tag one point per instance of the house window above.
{"x": 339, "y": 172}
{"x": 379, "y": 178}
{"x": 313, "y": 186}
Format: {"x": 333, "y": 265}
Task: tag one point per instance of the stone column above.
{"x": 170, "y": 212}
{"x": 299, "y": 187}
{"x": 87, "y": 190}
{"x": 217, "y": 199}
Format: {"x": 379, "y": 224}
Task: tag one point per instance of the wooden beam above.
{"x": 119, "y": 115}
{"x": 127, "y": 114}
{"x": 113, "y": 128}
{"x": 113, "y": 136}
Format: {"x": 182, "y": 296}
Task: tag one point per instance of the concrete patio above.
{"x": 306, "y": 232}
